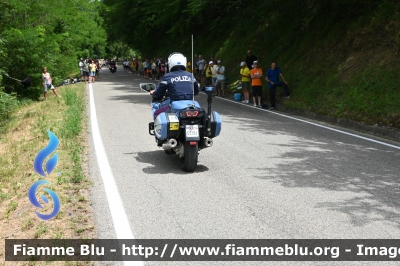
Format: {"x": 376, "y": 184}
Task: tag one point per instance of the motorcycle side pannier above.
{"x": 166, "y": 126}
{"x": 215, "y": 124}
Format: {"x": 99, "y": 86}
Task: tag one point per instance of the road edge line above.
{"x": 115, "y": 204}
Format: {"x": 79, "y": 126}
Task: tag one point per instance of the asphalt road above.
{"x": 266, "y": 177}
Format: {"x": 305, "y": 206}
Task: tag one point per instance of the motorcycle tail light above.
{"x": 192, "y": 113}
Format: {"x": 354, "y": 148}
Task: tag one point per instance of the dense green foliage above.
{"x": 38, "y": 33}
{"x": 8, "y": 104}
{"x": 339, "y": 56}
{"x": 118, "y": 49}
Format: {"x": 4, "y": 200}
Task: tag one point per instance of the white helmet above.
{"x": 176, "y": 61}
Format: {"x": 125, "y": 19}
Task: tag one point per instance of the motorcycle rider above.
{"x": 112, "y": 63}
{"x": 178, "y": 82}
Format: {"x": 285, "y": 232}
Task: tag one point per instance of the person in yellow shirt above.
{"x": 189, "y": 67}
{"x": 208, "y": 71}
{"x": 132, "y": 66}
{"x": 141, "y": 69}
{"x": 92, "y": 69}
{"x": 245, "y": 78}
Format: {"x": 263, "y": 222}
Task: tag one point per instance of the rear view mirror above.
{"x": 147, "y": 86}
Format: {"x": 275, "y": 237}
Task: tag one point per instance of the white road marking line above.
{"x": 119, "y": 218}
{"x": 315, "y": 124}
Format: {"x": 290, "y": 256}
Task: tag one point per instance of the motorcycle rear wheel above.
{"x": 189, "y": 161}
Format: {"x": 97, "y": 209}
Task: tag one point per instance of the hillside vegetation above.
{"x": 339, "y": 57}
{"x": 39, "y": 33}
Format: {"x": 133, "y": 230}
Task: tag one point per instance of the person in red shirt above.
{"x": 256, "y": 83}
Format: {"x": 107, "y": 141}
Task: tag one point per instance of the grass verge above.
{"x": 25, "y": 136}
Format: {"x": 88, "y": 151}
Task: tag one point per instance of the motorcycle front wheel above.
{"x": 189, "y": 161}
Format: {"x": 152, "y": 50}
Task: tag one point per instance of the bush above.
{"x": 8, "y": 104}
{"x": 32, "y": 93}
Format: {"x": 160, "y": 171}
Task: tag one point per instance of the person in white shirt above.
{"x": 81, "y": 67}
{"x": 153, "y": 69}
{"x": 220, "y": 83}
{"x": 48, "y": 83}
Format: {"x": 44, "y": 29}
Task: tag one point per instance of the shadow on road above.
{"x": 136, "y": 98}
{"x": 366, "y": 174}
{"x": 162, "y": 163}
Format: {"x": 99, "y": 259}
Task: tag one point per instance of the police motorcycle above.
{"x": 113, "y": 67}
{"x": 182, "y": 127}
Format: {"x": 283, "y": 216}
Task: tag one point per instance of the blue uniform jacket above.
{"x": 178, "y": 84}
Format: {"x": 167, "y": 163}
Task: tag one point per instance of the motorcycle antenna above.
{"x": 192, "y": 74}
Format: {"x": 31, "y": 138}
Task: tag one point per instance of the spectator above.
{"x": 256, "y": 83}
{"x": 159, "y": 68}
{"x": 212, "y": 59}
{"x": 86, "y": 70}
{"x": 92, "y": 68}
{"x": 148, "y": 69}
{"x": 137, "y": 66}
{"x": 196, "y": 73}
{"x": 81, "y": 67}
{"x": 201, "y": 64}
{"x": 140, "y": 64}
{"x": 208, "y": 71}
{"x": 48, "y": 83}
{"x": 154, "y": 69}
{"x": 145, "y": 68}
{"x": 220, "y": 83}
{"x": 189, "y": 67}
{"x": 245, "y": 78}
{"x": 272, "y": 78}
{"x": 214, "y": 74}
{"x": 132, "y": 65}
{"x": 126, "y": 65}
{"x": 250, "y": 58}
{"x": 98, "y": 67}
{"x": 166, "y": 66}
{"x": 162, "y": 68}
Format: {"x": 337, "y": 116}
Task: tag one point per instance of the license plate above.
{"x": 192, "y": 131}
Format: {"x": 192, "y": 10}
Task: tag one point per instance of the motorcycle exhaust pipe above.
{"x": 206, "y": 143}
{"x": 169, "y": 144}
